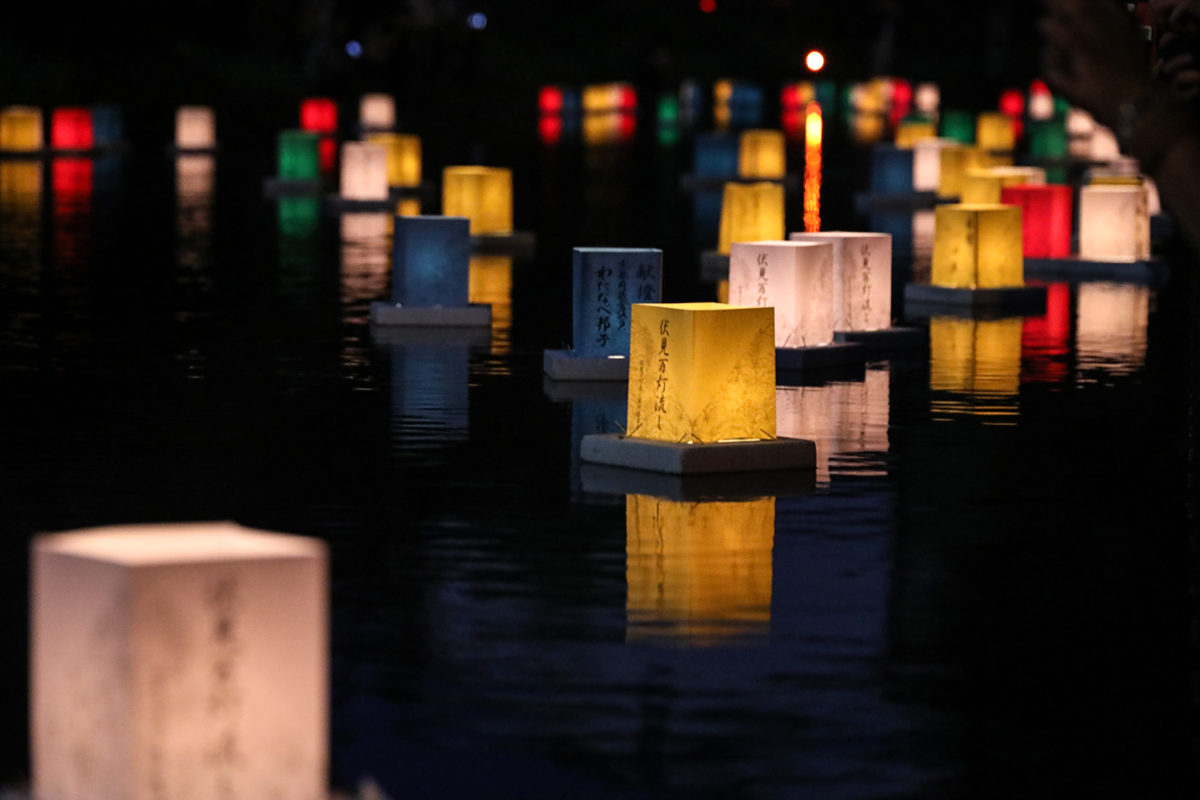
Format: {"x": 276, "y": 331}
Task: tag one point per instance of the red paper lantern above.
{"x": 327, "y": 153}
{"x": 1046, "y": 218}
{"x": 71, "y": 129}
{"x": 318, "y": 114}
{"x": 550, "y": 100}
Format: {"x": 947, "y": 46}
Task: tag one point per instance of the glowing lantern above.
{"x": 403, "y": 155}
{"x": 959, "y": 126}
{"x": 1045, "y": 218}
{"x": 715, "y": 155}
{"x": 364, "y": 171}
{"x": 297, "y": 156}
{"x": 71, "y": 129}
{"x": 984, "y": 185}
{"x": 431, "y": 262}
{"x": 751, "y": 212}
{"x": 606, "y": 282}
{"x": 1048, "y": 139}
{"x": 867, "y": 128}
{"x": 1114, "y": 223}
{"x": 108, "y": 126}
{"x": 20, "y": 186}
{"x": 974, "y": 356}
{"x": 179, "y": 660}
{"x": 891, "y": 169}
{"x": 20, "y": 129}
{"x": 927, "y": 164}
{"x": 1012, "y": 103}
{"x": 604, "y": 97}
{"x": 977, "y": 247}
{"x": 927, "y": 98}
{"x": 912, "y": 131}
{"x": 701, "y": 372}
{"x": 319, "y": 115}
{"x": 862, "y": 278}
{"x": 698, "y": 573}
{"x": 377, "y": 112}
{"x": 1080, "y": 123}
{"x": 794, "y": 278}
{"x": 550, "y": 129}
{"x": 550, "y": 100}
{"x": 994, "y": 131}
{"x": 1104, "y": 145}
{"x": 958, "y": 161}
{"x": 481, "y": 194}
{"x": 195, "y": 128}
{"x": 1041, "y": 101}
{"x": 762, "y": 155}
{"x": 794, "y": 96}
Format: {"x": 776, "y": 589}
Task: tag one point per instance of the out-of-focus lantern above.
{"x": 364, "y": 172}
{"x": 995, "y": 131}
{"x": 483, "y": 195}
{"x": 377, "y": 112}
{"x": 751, "y": 212}
{"x": 959, "y": 126}
{"x": 977, "y": 357}
{"x": 891, "y": 169}
{"x": 912, "y": 131}
{"x": 21, "y": 129}
{"x": 762, "y": 155}
{"x": 1045, "y": 218}
{"x": 927, "y": 99}
{"x": 927, "y": 163}
{"x": 1041, "y": 101}
{"x": 606, "y": 281}
{"x": 297, "y": 156}
{"x": 977, "y": 247}
{"x": 195, "y": 128}
{"x": 794, "y": 278}
{"x": 1114, "y": 223}
{"x": 1104, "y": 145}
{"x": 179, "y": 660}
{"x": 403, "y": 157}
{"x": 984, "y": 185}
{"x": 319, "y": 115}
{"x": 71, "y": 129}
{"x": 715, "y": 155}
{"x": 958, "y": 161}
{"x": 1111, "y": 321}
{"x": 862, "y": 278}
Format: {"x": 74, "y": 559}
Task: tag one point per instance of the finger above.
{"x": 1177, "y": 64}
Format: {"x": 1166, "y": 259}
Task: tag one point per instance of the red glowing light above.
{"x": 1012, "y": 102}
{"x": 71, "y": 180}
{"x": 789, "y": 97}
{"x": 1046, "y": 218}
{"x": 1039, "y": 87}
{"x": 708, "y": 6}
{"x": 793, "y": 123}
{"x": 327, "y": 150}
{"x": 902, "y": 97}
{"x": 626, "y": 127}
{"x": 815, "y": 60}
{"x": 1045, "y": 340}
{"x": 71, "y": 129}
{"x": 318, "y": 114}
{"x": 627, "y": 98}
{"x": 550, "y": 100}
{"x": 550, "y": 129}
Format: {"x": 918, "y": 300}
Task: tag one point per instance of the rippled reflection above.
{"x": 490, "y": 280}
{"x": 698, "y": 574}
{"x": 603, "y": 412}
{"x": 1046, "y": 340}
{"x": 195, "y": 180}
{"x": 1110, "y": 329}
{"x": 366, "y": 261}
{"x": 980, "y": 360}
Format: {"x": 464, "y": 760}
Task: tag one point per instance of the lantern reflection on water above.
{"x": 490, "y": 282}
{"x": 1111, "y": 321}
{"x": 21, "y": 129}
{"x": 364, "y": 268}
{"x": 978, "y": 358}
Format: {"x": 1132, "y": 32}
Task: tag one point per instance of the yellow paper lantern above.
{"x": 977, "y": 247}
{"x": 981, "y": 358}
{"x": 984, "y": 185}
{"x": 994, "y": 131}
{"x": 699, "y": 573}
{"x": 1114, "y": 223}
{"x": 21, "y": 129}
{"x": 751, "y": 212}
{"x": 701, "y": 372}
{"x": 912, "y": 131}
{"x": 762, "y": 155}
{"x": 481, "y": 194}
{"x": 403, "y": 155}
{"x": 958, "y": 160}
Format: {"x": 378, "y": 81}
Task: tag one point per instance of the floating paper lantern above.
{"x": 698, "y": 573}
{"x": 1114, "y": 223}
{"x": 179, "y": 660}
{"x": 891, "y": 169}
{"x": 108, "y": 126}
{"x": 984, "y": 185}
{"x": 762, "y": 155}
{"x": 1104, "y": 145}
{"x": 377, "y": 112}
{"x": 319, "y": 115}
{"x": 1041, "y": 101}
{"x": 606, "y": 281}
{"x": 927, "y": 164}
{"x": 701, "y": 372}
{"x": 862, "y": 278}
{"x": 1045, "y": 218}
{"x": 977, "y": 247}
{"x": 994, "y": 131}
{"x": 912, "y": 131}
{"x": 958, "y": 126}
{"x": 481, "y": 194}
{"x": 794, "y": 278}
{"x": 958, "y": 161}
{"x": 403, "y": 157}
{"x": 195, "y": 128}
{"x": 431, "y": 262}
{"x": 71, "y": 129}
{"x": 715, "y": 155}
{"x": 978, "y": 357}
{"x": 927, "y": 98}
{"x": 298, "y": 157}
{"x": 605, "y": 97}
{"x": 751, "y": 212}
{"x": 364, "y": 171}
{"x": 20, "y": 129}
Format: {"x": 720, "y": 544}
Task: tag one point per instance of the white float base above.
{"x": 618, "y": 450}
{"x": 476, "y": 314}
{"x": 284, "y": 187}
{"x": 1088, "y": 269}
{"x": 837, "y": 354}
{"x": 885, "y": 339}
{"x": 601, "y": 479}
{"x": 1016, "y": 298}
{"x": 564, "y": 365}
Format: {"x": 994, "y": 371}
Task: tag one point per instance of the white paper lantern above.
{"x": 862, "y": 278}
{"x": 795, "y": 278}
{"x": 364, "y": 171}
{"x": 195, "y": 128}
{"x": 377, "y": 112}
{"x": 1114, "y": 223}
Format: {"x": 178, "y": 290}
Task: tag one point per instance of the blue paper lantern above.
{"x": 431, "y": 261}
{"x": 108, "y": 126}
{"x": 715, "y": 156}
{"x": 891, "y": 169}
{"x": 606, "y": 282}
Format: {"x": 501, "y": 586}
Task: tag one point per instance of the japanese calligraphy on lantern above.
{"x": 795, "y": 278}
{"x": 606, "y": 281}
{"x": 862, "y": 278}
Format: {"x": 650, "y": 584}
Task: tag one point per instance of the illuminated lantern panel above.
{"x": 606, "y": 281}
{"x": 1041, "y": 105}
{"x": 957, "y": 162}
{"x": 403, "y": 154}
{"x": 186, "y": 660}
{"x": 1012, "y": 103}
{"x": 891, "y": 169}
{"x": 364, "y": 171}
{"x": 701, "y": 372}
{"x": 984, "y": 185}
{"x": 794, "y": 278}
{"x": 481, "y": 194}
{"x": 195, "y": 128}
{"x": 927, "y": 163}
{"x": 550, "y": 100}
{"x": 862, "y": 278}
{"x": 751, "y": 212}
{"x": 71, "y": 129}
{"x": 21, "y": 129}
{"x": 377, "y": 112}
{"x": 976, "y": 357}
{"x": 298, "y": 156}
{"x": 959, "y": 126}
{"x": 604, "y": 97}
{"x": 715, "y": 155}
{"x": 327, "y": 150}
{"x": 927, "y": 98}
{"x": 977, "y": 247}
{"x": 1046, "y": 217}
{"x": 762, "y": 155}
{"x": 912, "y": 131}
{"x": 698, "y": 573}
{"x": 994, "y": 131}
{"x": 1048, "y": 139}
{"x": 431, "y": 262}
{"x": 1114, "y": 223}
{"x": 319, "y": 115}
{"x": 794, "y": 96}
{"x": 408, "y": 207}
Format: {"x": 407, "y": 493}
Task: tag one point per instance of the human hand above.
{"x": 1176, "y": 65}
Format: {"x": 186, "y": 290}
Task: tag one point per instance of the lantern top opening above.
{"x": 150, "y": 545}
{"x": 690, "y": 306}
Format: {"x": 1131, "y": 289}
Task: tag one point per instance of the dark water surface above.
{"x": 983, "y": 593}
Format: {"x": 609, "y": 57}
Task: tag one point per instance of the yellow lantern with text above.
{"x": 912, "y": 131}
{"x": 762, "y": 154}
{"x": 751, "y": 212}
{"x": 701, "y": 372}
{"x": 977, "y": 246}
{"x": 403, "y": 152}
{"x": 21, "y": 129}
{"x": 984, "y": 185}
{"x": 481, "y": 194}
{"x": 995, "y": 131}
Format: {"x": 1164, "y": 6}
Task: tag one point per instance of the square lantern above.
{"x": 912, "y": 131}
{"x": 958, "y": 161}
{"x": 958, "y": 126}
{"x": 403, "y": 157}
{"x": 1046, "y": 215}
{"x": 364, "y": 172}
{"x": 715, "y": 155}
{"x": 21, "y": 129}
{"x": 71, "y": 129}
{"x": 762, "y": 155}
{"x": 298, "y": 157}
{"x": 481, "y": 194}
{"x": 108, "y": 126}
{"x": 862, "y": 278}
{"x": 319, "y": 115}
{"x": 1114, "y": 223}
{"x": 891, "y": 169}
{"x": 751, "y": 212}
{"x": 377, "y": 112}
{"x": 927, "y": 99}
{"x": 995, "y": 131}
{"x": 195, "y": 128}
{"x": 984, "y": 185}
{"x": 183, "y": 660}
{"x": 977, "y": 247}
{"x": 794, "y": 278}
{"x": 927, "y": 163}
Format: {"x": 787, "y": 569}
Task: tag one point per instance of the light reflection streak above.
{"x": 977, "y": 364}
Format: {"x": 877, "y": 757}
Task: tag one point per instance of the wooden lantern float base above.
{"x": 618, "y": 450}
{"x": 1084, "y": 269}
{"x": 601, "y": 479}
{"x": 837, "y": 354}
{"x": 336, "y": 204}
{"x": 175, "y": 150}
{"x": 885, "y": 339}
{"x": 473, "y": 315}
{"x": 1016, "y": 298}
{"x": 515, "y": 243}
{"x": 564, "y": 365}
{"x": 570, "y": 391}
{"x": 291, "y": 187}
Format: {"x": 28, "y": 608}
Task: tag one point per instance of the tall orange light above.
{"x": 813, "y": 129}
